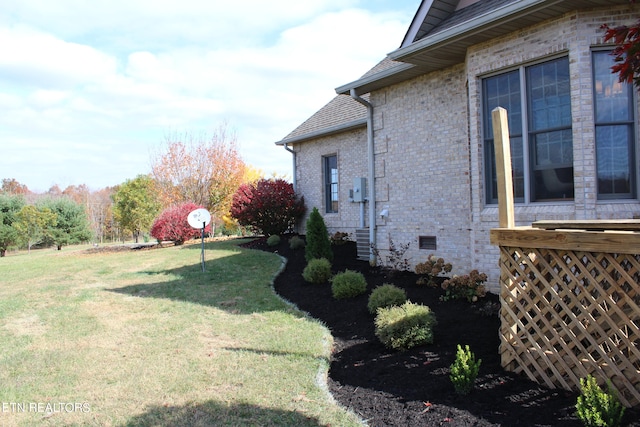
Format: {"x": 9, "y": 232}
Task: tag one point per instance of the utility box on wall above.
{"x": 359, "y": 189}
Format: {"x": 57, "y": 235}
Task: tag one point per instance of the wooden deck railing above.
{"x": 570, "y": 294}
{"x": 570, "y": 303}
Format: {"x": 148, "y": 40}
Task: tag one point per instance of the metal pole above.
{"x": 202, "y": 254}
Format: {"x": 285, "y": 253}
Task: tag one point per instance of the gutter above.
{"x": 372, "y": 175}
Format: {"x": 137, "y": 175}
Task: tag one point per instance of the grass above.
{"x": 146, "y": 338}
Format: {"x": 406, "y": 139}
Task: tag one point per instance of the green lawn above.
{"x": 146, "y": 338}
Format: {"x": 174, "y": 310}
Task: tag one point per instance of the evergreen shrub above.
{"x": 464, "y": 370}
{"x": 273, "y": 240}
{"x": 318, "y": 270}
{"x": 318, "y": 243}
{"x": 596, "y": 407}
{"x": 405, "y": 326}
{"x": 386, "y": 295}
{"x": 348, "y": 284}
{"x": 296, "y": 242}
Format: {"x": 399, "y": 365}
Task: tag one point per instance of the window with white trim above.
{"x": 538, "y": 103}
{"x": 330, "y": 165}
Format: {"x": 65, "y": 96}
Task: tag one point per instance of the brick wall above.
{"x": 351, "y": 151}
{"x": 429, "y": 150}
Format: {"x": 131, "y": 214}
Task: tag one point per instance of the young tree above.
{"x": 34, "y": 225}
{"x": 206, "y": 171}
{"x": 10, "y": 205}
{"x": 71, "y": 226}
{"x": 136, "y": 205}
{"x": 172, "y": 224}
{"x": 626, "y": 52}
{"x": 269, "y": 205}
{"x": 99, "y": 206}
{"x": 318, "y": 243}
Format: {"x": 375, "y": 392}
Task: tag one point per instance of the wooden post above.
{"x": 503, "y": 168}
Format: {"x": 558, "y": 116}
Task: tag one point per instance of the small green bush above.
{"x": 318, "y": 270}
{"x": 405, "y": 326}
{"x": 464, "y": 370}
{"x": 348, "y": 284}
{"x": 296, "y": 242}
{"x": 273, "y": 240}
{"x": 597, "y": 408}
{"x": 386, "y": 295}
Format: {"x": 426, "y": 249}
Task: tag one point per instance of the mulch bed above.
{"x": 412, "y": 388}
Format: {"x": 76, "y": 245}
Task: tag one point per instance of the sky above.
{"x": 91, "y": 91}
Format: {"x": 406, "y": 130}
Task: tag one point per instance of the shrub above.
{"x": 296, "y": 242}
{"x": 273, "y": 240}
{"x": 339, "y": 238}
{"x": 395, "y": 259}
{"x": 405, "y": 326}
{"x": 469, "y": 286}
{"x": 172, "y": 225}
{"x": 348, "y": 284}
{"x": 318, "y": 270}
{"x": 386, "y": 295}
{"x": 597, "y": 408}
{"x": 464, "y": 370}
{"x": 269, "y": 205}
{"x": 318, "y": 244}
{"x": 430, "y": 269}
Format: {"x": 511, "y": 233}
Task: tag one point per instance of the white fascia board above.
{"x": 346, "y": 89}
{"x": 343, "y": 127}
{"x": 492, "y": 17}
{"x": 418, "y": 19}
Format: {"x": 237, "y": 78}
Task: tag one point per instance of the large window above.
{"x": 330, "y": 164}
{"x": 614, "y": 129}
{"x": 539, "y": 130}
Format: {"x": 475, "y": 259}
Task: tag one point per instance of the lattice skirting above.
{"x": 567, "y": 314}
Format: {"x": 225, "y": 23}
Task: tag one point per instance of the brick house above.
{"x": 415, "y": 130}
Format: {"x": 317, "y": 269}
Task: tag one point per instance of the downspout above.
{"x": 294, "y": 180}
{"x": 371, "y": 178}
{"x": 286, "y": 147}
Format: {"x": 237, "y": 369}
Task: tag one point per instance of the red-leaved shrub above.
{"x": 269, "y": 205}
{"x": 172, "y": 225}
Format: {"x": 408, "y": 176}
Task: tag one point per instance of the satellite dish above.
{"x": 199, "y": 218}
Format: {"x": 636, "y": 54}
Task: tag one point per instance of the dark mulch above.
{"x": 412, "y": 388}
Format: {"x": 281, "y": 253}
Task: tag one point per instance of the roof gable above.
{"x": 435, "y": 41}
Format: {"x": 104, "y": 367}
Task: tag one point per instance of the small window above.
{"x": 331, "y": 183}
{"x": 427, "y": 242}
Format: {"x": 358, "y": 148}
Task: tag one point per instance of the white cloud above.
{"x": 87, "y": 89}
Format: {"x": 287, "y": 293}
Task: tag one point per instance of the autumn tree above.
{"x": 626, "y": 52}
{"x": 11, "y": 186}
{"x": 269, "y": 205}
{"x": 34, "y": 224}
{"x": 71, "y": 226}
{"x": 172, "y": 225}
{"x": 200, "y": 169}
{"x": 136, "y": 205}
{"x": 10, "y": 205}
{"x": 78, "y": 193}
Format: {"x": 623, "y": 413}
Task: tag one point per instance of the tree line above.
{"x": 187, "y": 172}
